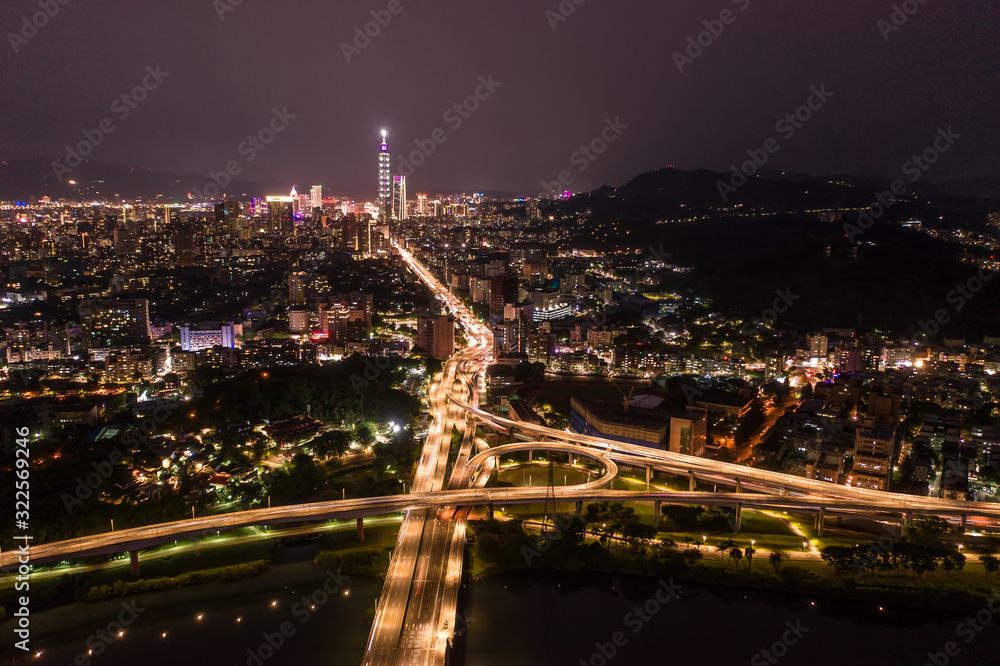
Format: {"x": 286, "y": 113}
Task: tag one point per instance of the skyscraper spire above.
{"x": 384, "y": 179}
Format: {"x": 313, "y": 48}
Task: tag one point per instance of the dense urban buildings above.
{"x": 593, "y": 335}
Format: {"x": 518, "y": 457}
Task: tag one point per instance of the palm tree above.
{"x": 736, "y": 554}
{"x": 749, "y": 553}
{"x": 728, "y": 546}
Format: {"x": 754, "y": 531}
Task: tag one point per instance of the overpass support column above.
{"x": 657, "y": 512}
{"x": 572, "y": 459}
{"x": 649, "y": 476}
{"x": 965, "y": 523}
{"x": 134, "y": 561}
{"x": 692, "y": 482}
{"x": 820, "y": 520}
{"x": 361, "y": 529}
{"x": 489, "y": 512}
{"x": 579, "y": 508}
{"x": 739, "y": 486}
{"x": 531, "y": 456}
{"x": 739, "y": 517}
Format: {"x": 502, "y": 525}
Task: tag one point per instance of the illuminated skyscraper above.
{"x": 399, "y": 198}
{"x": 281, "y": 215}
{"x": 384, "y": 179}
{"x": 317, "y": 196}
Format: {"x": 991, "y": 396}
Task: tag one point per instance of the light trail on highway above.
{"x": 417, "y": 609}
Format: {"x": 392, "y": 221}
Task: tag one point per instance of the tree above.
{"x": 990, "y": 563}
{"x": 736, "y": 554}
{"x": 640, "y": 534}
{"x": 777, "y": 558}
{"x": 364, "y": 435}
{"x": 334, "y": 442}
{"x": 841, "y": 558}
{"x": 749, "y": 553}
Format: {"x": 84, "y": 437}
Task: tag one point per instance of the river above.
{"x": 520, "y": 619}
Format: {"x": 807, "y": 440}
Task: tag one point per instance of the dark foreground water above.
{"x": 241, "y": 624}
{"x": 528, "y": 619}
{"x": 516, "y": 619}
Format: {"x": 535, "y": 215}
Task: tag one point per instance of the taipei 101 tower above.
{"x": 384, "y": 180}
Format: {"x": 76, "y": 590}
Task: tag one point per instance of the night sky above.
{"x": 558, "y": 87}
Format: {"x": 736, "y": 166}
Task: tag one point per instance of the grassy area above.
{"x": 195, "y": 560}
{"x": 503, "y": 546}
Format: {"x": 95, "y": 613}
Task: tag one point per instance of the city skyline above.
{"x": 568, "y": 332}
{"x": 674, "y": 118}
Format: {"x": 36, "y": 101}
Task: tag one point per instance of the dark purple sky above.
{"x": 608, "y": 59}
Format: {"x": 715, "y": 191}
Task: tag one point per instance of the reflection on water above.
{"x": 284, "y": 616}
{"x": 560, "y": 618}
{"x": 522, "y": 618}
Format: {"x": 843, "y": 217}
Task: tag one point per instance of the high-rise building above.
{"x": 436, "y": 336}
{"x": 384, "y": 179}
{"x": 209, "y": 334}
{"x": 399, "y": 198}
{"x": 423, "y": 206}
{"x": 281, "y": 214}
{"x": 345, "y": 321}
{"x": 817, "y": 345}
{"x": 874, "y": 446}
{"x": 125, "y": 245}
{"x": 357, "y": 233}
{"x": 316, "y": 195}
{"x": 116, "y": 323}
{"x": 503, "y": 290}
{"x": 228, "y": 216}
{"x": 298, "y": 321}
{"x": 184, "y": 245}
{"x": 297, "y": 288}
